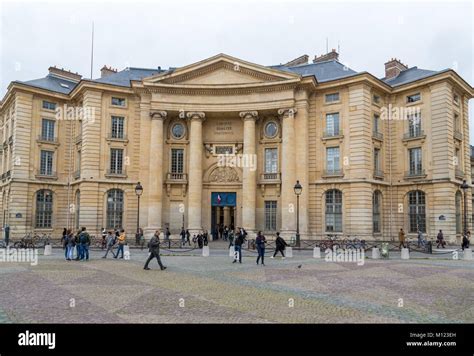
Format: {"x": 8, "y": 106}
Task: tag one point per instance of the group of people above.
{"x": 222, "y": 232}
{"x": 466, "y": 239}
{"x": 81, "y": 242}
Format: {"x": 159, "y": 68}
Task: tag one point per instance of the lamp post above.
{"x": 298, "y": 189}
{"x": 138, "y": 192}
{"x": 464, "y": 188}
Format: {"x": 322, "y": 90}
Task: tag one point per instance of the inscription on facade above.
{"x": 223, "y": 128}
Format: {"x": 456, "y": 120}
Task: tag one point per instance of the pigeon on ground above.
{"x": 300, "y": 266}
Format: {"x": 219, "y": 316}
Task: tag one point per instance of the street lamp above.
{"x": 298, "y": 189}
{"x": 464, "y": 187}
{"x": 138, "y": 192}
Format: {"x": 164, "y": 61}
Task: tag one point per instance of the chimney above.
{"x": 333, "y": 55}
{"x": 65, "y": 74}
{"x": 300, "y": 60}
{"x": 393, "y": 68}
{"x": 106, "y": 71}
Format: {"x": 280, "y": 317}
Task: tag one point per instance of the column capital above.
{"x": 158, "y": 115}
{"x": 196, "y": 115}
{"x": 287, "y": 112}
{"x": 249, "y": 115}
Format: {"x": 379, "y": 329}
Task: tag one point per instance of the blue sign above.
{"x": 223, "y": 199}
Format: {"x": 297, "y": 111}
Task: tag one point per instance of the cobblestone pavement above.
{"x": 197, "y": 289}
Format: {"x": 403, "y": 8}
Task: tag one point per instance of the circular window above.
{"x": 178, "y": 131}
{"x": 271, "y": 129}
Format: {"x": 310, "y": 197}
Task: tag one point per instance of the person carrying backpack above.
{"x": 260, "y": 241}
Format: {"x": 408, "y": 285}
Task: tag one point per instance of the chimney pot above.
{"x": 393, "y": 68}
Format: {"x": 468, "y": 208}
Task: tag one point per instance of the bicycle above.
{"x": 42, "y": 240}
{"x": 25, "y": 242}
{"x": 331, "y": 243}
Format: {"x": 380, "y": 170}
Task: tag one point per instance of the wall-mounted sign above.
{"x": 18, "y": 215}
{"x": 442, "y": 218}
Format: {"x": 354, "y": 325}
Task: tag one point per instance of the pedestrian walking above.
{"x": 6, "y": 234}
{"x": 188, "y": 237}
{"x": 260, "y": 241}
{"x": 401, "y": 238}
{"x": 154, "y": 248}
{"x": 440, "y": 239}
{"x": 64, "y": 242}
{"x": 85, "y": 241}
{"x": 421, "y": 240}
{"x": 110, "y": 240}
{"x": 121, "y": 243}
{"x": 167, "y": 234}
{"x": 182, "y": 234}
{"x": 239, "y": 240}
{"x": 280, "y": 244}
{"x": 466, "y": 240}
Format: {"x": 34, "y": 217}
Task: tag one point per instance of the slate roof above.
{"x": 410, "y": 75}
{"x": 323, "y": 71}
{"x": 53, "y": 83}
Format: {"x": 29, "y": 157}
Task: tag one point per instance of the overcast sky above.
{"x": 430, "y": 35}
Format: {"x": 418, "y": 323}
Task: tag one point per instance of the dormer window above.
{"x": 118, "y": 101}
{"x": 332, "y": 98}
{"x": 413, "y": 98}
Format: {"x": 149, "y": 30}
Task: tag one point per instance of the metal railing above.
{"x": 338, "y": 172}
{"x": 43, "y": 138}
{"x": 459, "y": 173}
{"x": 116, "y": 172}
{"x": 377, "y": 135}
{"x": 378, "y": 173}
{"x": 77, "y": 174}
{"x": 415, "y": 173}
{"x": 458, "y": 135}
{"x": 413, "y": 134}
{"x": 333, "y": 133}
{"x": 270, "y": 176}
{"x": 182, "y": 177}
{"x": 45, "y": 174}
{"x": 117, "y": 137}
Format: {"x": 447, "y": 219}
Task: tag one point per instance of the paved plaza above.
{"x": 196, "y": 289}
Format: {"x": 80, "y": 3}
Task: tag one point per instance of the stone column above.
{"x": 288, "y": 172}
{"x": 155, "y": 195}
{"x": 195, "y": 171}
{"x": 249, "y": 178}
{"x": 301, "y": 147}
{"x": 226, "y": 216}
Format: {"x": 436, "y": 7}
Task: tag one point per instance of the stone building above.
{"x": 224, "y": 141}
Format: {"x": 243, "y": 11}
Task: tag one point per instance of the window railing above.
{"x": 116, "y": 172}
{"x": 413, "y": 173}
{"x": 45, "y": 138}
{"x": 332, "y": 133}
{"x": 377, "y": 135}
{"x": 335, "y": 172}
{"x": 413, "y": 134}
{"x": 459, "y": 173}
{"x": 42, "y": 173}
{"x": 270, "y": 176}
{"x": 116, "y": 136}
{"x": 77, "y": 174}
{"x": 378, "y": 173}
{"x": 458, "y": 135}
{"x": 176, "y": 176}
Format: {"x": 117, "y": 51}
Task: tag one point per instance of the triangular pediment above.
{"x": 221, "y": 70}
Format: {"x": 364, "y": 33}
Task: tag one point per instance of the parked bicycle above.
{"x": 25, "y": 242}
{"x": 331, "y": 243}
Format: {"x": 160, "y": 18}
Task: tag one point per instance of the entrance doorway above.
{"x": 223, "y": 210}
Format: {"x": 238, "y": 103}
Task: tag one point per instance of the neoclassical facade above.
{"x": 223, "y": 141}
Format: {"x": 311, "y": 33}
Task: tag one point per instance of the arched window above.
{"x": 334, "y": 210}
{"x": 114, "y": 209}
{"x": 458, "y": 200}
{"x": 376, "y": 211}
{"x": 77, "y": 209}
{"x": 416, "y": 211}
{"x": 44, "y": 209}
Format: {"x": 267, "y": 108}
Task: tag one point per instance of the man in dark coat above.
{"x": 154, "y": 248}
{"x": 280, "y": 246}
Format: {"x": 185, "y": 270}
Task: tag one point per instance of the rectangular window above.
{"x": 46, "y": 163}
{"x": 116, "y": 161}
{"x": 416, "y": 166}
{"x": 49, "y": 105}
{"x": 118, "y": 101}
{"x": 457, "y": 126}
{"x": 332, "y": 160}
{"x": 376, "y": 123}
{"x": 271, "y": 160}
{"x": 117, "y": 126}
{"x": 377, "y": 160}
{"x": 47, "y": 130}
{"x": 270, "y": 215}
{"x": 376, "y": 99}
{"x": 331, "y": 98}
{"x": 414, "y": 125}
{"x": 177, "y": 160}
{"x": 332, "y": 124}
{"x": 413, "y": 98}
{"x": 456, "y": 99}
